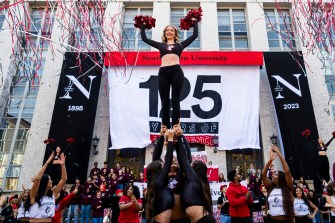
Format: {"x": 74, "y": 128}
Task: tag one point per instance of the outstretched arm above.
{"x": 188, "y": 149}
{"x": 37, "y": 179}
{"x": 327, "y": 144}
{"x": 159, "y": 145}
{"x": 148, "y": 41}
{"x": 168, "y": 161}
{"x": 190, "y": 39}
{"x": 62, "y": 182}
{"x": 286, "y": 168}
{"x": 265, "y": 179}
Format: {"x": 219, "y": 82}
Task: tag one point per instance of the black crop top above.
{"x": 320, "y": 148}
{"x": 176, "y": 48}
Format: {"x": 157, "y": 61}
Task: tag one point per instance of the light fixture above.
{"x": 215, "y": 142}
{"x": 274, "y": 139}
{"x": 95, "y": 142}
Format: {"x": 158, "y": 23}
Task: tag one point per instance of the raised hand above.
{"x": 62, "y": 159}
{"x": 272, "y": 154}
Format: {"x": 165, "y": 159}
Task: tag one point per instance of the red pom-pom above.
{"x": 306, "y": 133}
{"x": 186, "y": 23}
{"x": 148, "y": 20}
{"x": 334, "y": 134}
{"x": 70, "y": 140}
{"x": 49, "y": 141}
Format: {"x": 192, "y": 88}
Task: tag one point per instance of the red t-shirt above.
{"x": 130, "y": 214}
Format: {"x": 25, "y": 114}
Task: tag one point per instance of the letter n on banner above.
{"x": 294, "y": 108}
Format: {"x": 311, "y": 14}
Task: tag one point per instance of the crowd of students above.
{"x": 273, "y": 196}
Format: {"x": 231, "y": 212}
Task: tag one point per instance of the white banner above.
{"x": 216, "y": 100}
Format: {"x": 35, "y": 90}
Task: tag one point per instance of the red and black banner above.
{"x": 294, "y": 108}
{"x": 75, "y": 110}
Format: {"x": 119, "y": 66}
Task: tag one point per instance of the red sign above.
{"x": 247, "y": 58}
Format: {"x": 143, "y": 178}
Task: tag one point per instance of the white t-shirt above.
{"x": 300, "y": 207}
{"x": 275, "y": 200}
{"x": 21, "y": 213}
{"x": 106, "y": 219}
{"x": 46, "y": 210}
{"x": 333, "y": 200}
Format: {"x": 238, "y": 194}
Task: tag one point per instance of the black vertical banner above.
{"x": 75, "y": 110}
{"x": 293, "y": 104}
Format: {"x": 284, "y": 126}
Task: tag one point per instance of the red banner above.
{"x": 247, "y": 58}
{"x": 201, "y": 139}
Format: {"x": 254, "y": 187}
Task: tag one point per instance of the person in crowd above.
{"x": 302, "y": 206}
{"x": 259, "y": 174}
{"x": 160, "y": 199}
{"x": 104, "y": 170}
{"x": 141, "y": 178}
{"x": 271, "y": 171}
{"x": 323, "y": 161}
{"x": 313, "y": 198}
{"x": 86, "y": 204}
{"x": 42, "y": 197}
{"x": 117, "y": 168}
{"x": 144, "y": 201}
{"x": 280, "y": 189}
{"x": 112, "y": 184}
{"x": 262, "y": 199}
{"x": 303, "y": 183}
{"x": 239, "y": 199}
{"x": 58, "y": 217}
{"x": 251, "y": 169}
{"x": 89, "y": 184}
{"x": 95, "y": 170}
{"x": 170, "y": 72}
{"x": 128, "y": 175}
{"x": 107, "y": 216}
{"x": 130, "y": 205}
{"x": 115, "y": 206}
{"x": 55, "y": 169}
{"x": 23, "y": 215}
{"x": 120, "y": 180}
{"x": 195, "y": 194}
{"x": 75, "y": 202}
{"x": 223, "y": 205}
{"x": 97, "y": 210}
{"x": 324, "y": 211}
{"x": 96, "y": 183}
{"x": 330, "y": 201}
{"x": 221, "y": 178}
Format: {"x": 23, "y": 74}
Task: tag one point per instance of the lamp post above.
{"x": 215, "y": 141}
{"x": 274, "y": 139}
{"x": 95, "y": 142}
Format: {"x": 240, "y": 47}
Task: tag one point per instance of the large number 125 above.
{"x": 199, "y": 93}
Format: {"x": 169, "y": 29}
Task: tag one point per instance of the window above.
{"x": 21, "y": 102}
{"x": 131, "y": 36}
{"x": 279, "y": 30}
{"x": 3, "y": 13}
{"x": 176, "y": 15}
{"x": 88, "y": 33}
{"x": 232, "y": 28}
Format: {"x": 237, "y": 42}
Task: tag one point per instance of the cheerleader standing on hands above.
{"x": 170, "y": 72}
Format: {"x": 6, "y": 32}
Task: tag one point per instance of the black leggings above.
{"x": 303, "y": 219}
{"x": 181, "y": 220}
{"x": 324, "y": 167}
{"x": 207, "y": 219}
{"x": 170, "y": 75}
{"x": 55, "y": 173}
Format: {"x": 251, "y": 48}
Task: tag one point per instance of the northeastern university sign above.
{"x": 216, "y": 99}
